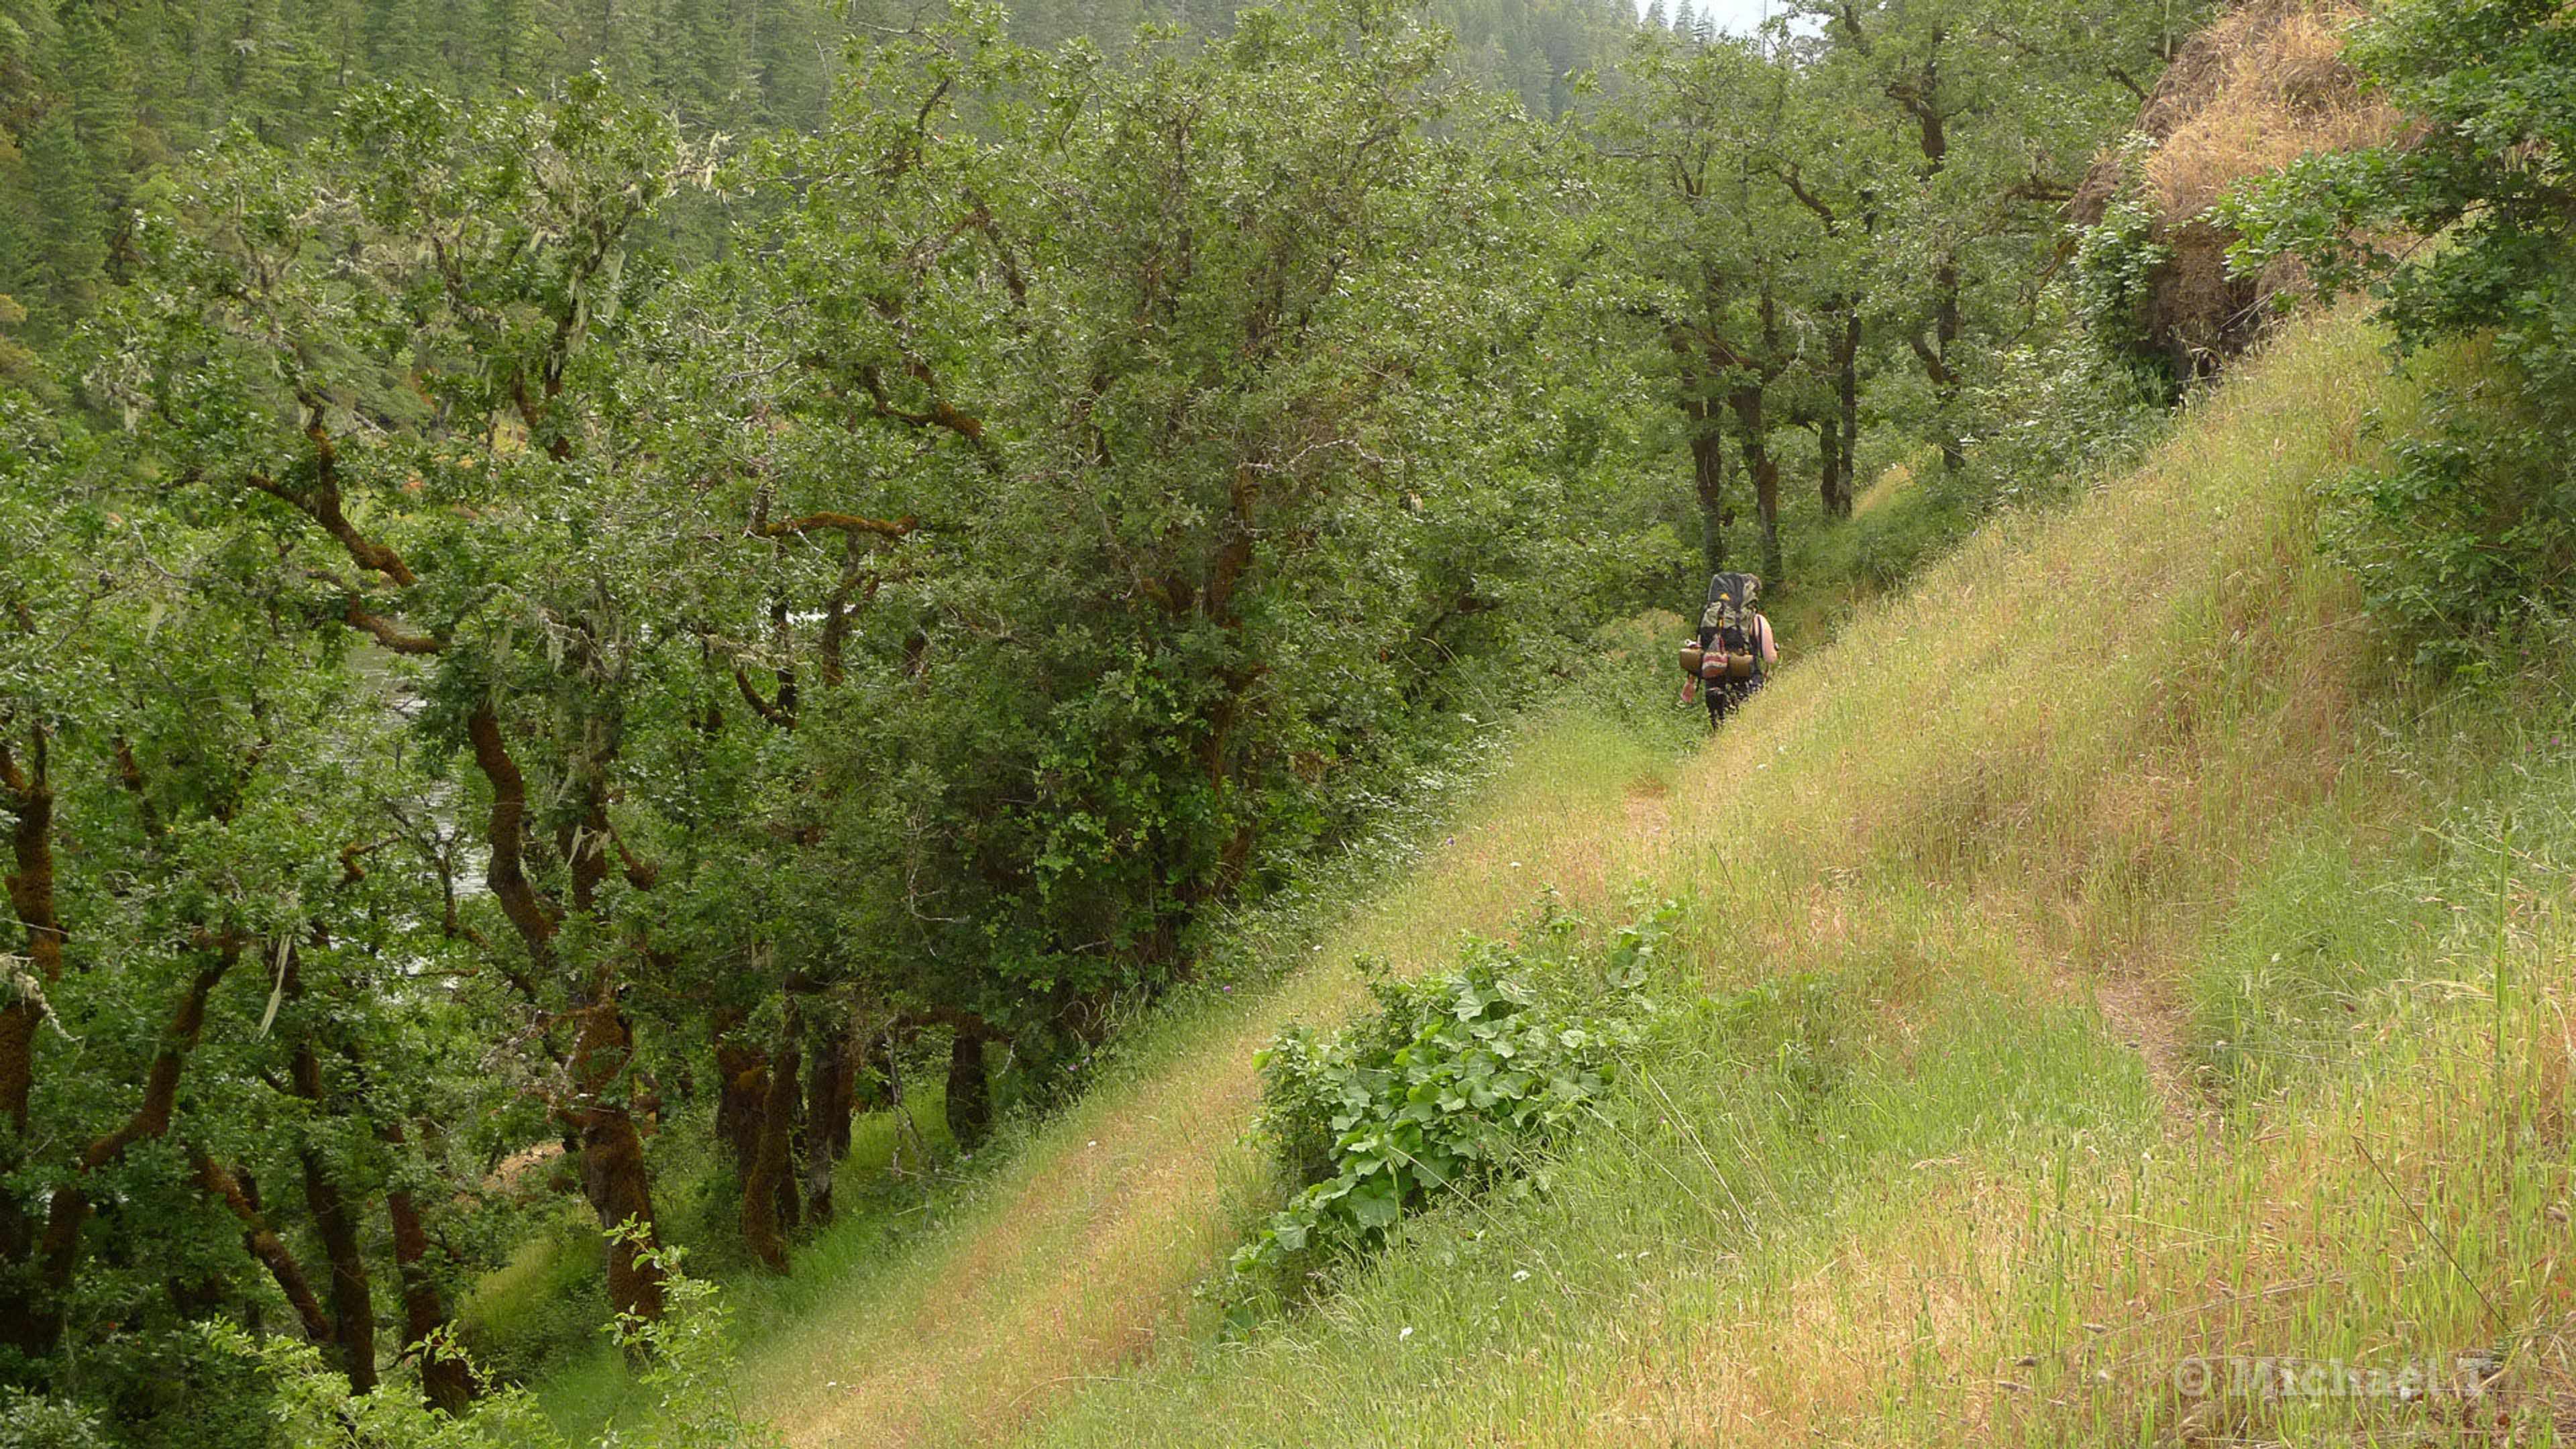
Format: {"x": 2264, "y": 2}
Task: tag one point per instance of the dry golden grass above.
{"x": 2263, "y": 86}
{"x": 1788, "y": 1364}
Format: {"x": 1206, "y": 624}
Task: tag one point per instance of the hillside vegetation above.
{"x": 2096, "y": 963}
{"x": 586, "y": 631}
{"x": 785, "y": 684}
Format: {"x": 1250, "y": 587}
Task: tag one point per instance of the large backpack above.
{"x": 1727, "y": 626}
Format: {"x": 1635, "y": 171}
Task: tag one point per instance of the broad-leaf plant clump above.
{"x": 1452, "y": 1085}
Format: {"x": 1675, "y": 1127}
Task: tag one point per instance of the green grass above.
{"x": 539, "y": 1318}
{"x": 2097, "y": 961}
{"x": 2135, "y": 775}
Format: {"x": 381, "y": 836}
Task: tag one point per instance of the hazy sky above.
{"x": 1739, "y": 16}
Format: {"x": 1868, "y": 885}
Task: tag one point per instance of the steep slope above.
{"x": 2117, "y": 998}
{"x": 2107, "y": 986}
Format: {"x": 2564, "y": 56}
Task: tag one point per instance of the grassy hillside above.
{"x": 2105, "y": 977}
{"x": 2101, "y": 974}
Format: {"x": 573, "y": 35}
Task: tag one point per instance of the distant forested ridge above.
{"x": 97, "y": 96}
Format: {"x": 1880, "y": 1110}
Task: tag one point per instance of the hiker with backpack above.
{"x": 1734, "y": 651}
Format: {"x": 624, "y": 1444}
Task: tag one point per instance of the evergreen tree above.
{"x": 25, "y": 27}
{"x": 398, "y": 48}
{"x": 17, "y": 236}
{"x": 266, "y": 89}
{"x": 1686, "y": 22}
{"x": 1657, "y": 18}
{"x": 509, "y": 44}
{"x": 338, "y": 33}
{"x": 88, "y": 73}
{"x": 71, "y": 228}
{"x": 695, "y": 51}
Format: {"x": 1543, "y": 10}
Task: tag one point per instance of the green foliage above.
{"x": 2474, "y": 525}
{"x": 2061, "y": 414}
{"x": 2468, "y": 540}
{"x": 1851, "y": 232}
{"x": 1024, "y": 549}
{"x": 30, "y": 1422}
{"x": 689, "y": 1365}
{"x": 689, "y": 1372}
{"x": 1240, "y": 469}
{"x": 1444, "y": 1090}
{"x": 313, "y": 1408}
{"x": 2116, "y": 259}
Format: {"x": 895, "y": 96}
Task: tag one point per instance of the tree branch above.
{"x": 939, "y": 415}
{"x": 267, "y": 1247}
{"x": 387, "y": 632}
{"x": 783, "y": 718}
{"x": 1933, "y": 367}
{"x": 1797, "y": 187}
{"x": 506, "y": 872}
{"x": 849, "y": 523}
{"x": 322, "y": 504}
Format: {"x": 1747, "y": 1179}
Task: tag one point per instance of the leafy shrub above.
{"x": 2470, "y": 530}
{"x": 28, "y": 1421}
{"x": 685, "y": 1364}
{"x": 2058, "y": 417}
{"x": 2473, "y": 526}
{"x": 2116, "y": 260}
{"x": 688, "y": 1364}
{"x": 1444, "y": 1090}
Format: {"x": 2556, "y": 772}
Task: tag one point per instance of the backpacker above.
{"x": 1726, "y": 627}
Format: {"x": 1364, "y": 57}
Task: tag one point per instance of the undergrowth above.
{"x": 1447, "y": 1089}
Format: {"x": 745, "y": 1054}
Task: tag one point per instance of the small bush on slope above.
{"x": 686, "y": 1366}
{"x": 1441, "y": 1093}
{"x": 2471, "y": 528}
